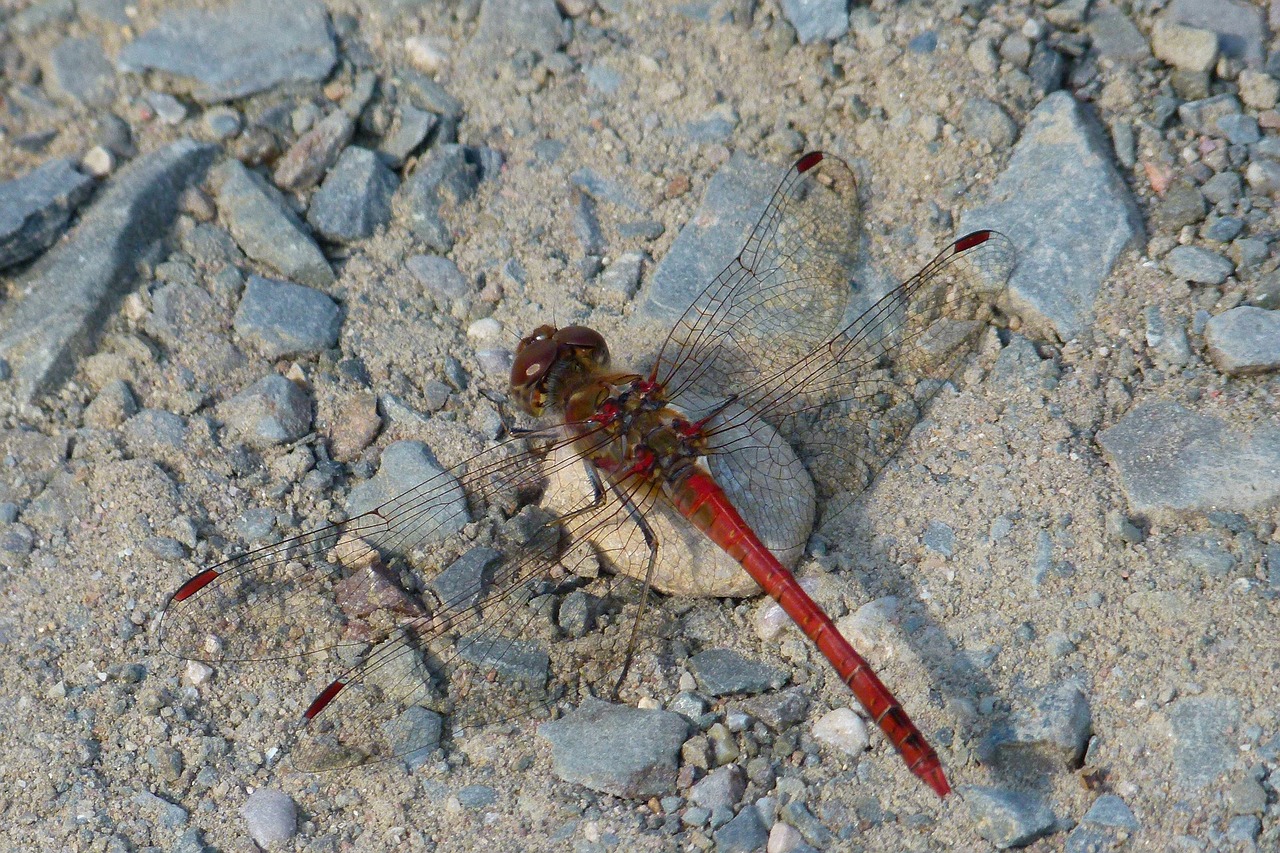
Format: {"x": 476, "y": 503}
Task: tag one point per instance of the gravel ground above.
{"x": 247, "y": 249}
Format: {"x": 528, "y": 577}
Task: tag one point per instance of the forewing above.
{"x": 785, "y": 293}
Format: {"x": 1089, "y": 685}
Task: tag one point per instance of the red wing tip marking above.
{"x": 968, "y": 241}
{"x": 325, "y": 697}
{"x": 196, "y": 584}
{"x": 808, "y": 161}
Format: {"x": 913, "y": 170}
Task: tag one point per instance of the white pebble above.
{"x": 198, "y": 673}
{"x": 98, "y": 162}
{"x": 425, "y": 54}
{"x": 871, "y": 626}
{"x": 771, "y": 620}
{"x": 484, "y": 329}
{"x": 842, "y": 729}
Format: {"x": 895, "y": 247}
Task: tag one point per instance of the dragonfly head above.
{"x": 547, "y": 358}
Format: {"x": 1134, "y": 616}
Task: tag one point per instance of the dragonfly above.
{"x": 764, "y": 392}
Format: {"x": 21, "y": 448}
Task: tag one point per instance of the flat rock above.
{"x": 1060, "y": 192}
{"x": 744, "y": 833}
{"x": 1244, "y": 340}
{"x": 439, "y": 183}
{"x": 238, "y": 50}
{"x": 617, "y": 749}
{"x": 1198, "y": 265}
{"x": 68, "y": 292}
{"x": 355, "y": 199}
{"x": 264, "y": 230}
{"x": 509, "y": 25}
{"x": 724, "y": 671}
{"x": 1109, "y": 810}
{"x": 36, "y": 208}
{"x": 1008, "y": 818}
{"x": 284, "y": 319}
{"x": 410, "y": 477}
{"x": 1174, "y": 460}
{"x": 1204, "y": 734}
{"x": 733, "y": 202}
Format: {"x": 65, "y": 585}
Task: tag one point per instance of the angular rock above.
{"x": 35, "y": 209}
{"x": 722, "y": 787}
{"x": 508, "y": 25}
{"x": 315, "y": 152}
{"x": 410, "y": 479}
{"x": 1244, "y": 340}
{"x": 1060, "y": 192}
{"x": 44, "y": 333}
{"x": 355, "y": 199}
{"x": 1188, "y": 48}
{"x": 237, "y": 50}
{"x": 724, "y": 671}
{"x": 271, "y": 411}
{"x": 446, "y": 180}
{"x": 1238, "y": 24}
{"x": 1008, "y": 818}
{"x": 817, "y": 20}
{"x": 265, "y": 230}
{"x": 1115, "y": 36}
{"x": 1203, "y": 729}
{"x": 1110, "y": 810}
{"x": 284, "y": 319}
{"x": 438, "y": 276}
{"x": 1059, "y": 726}
{"x": 410, "y": 130}
{"x": 1201, "y": 266}
{"x": 464, "y": 580}
{"x": 624, "y": 751}
{"x": 1173, "y": 460}
{"x": 745, "y": 833}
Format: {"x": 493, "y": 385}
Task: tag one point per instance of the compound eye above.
{"x": 534, "y": 359}
{"x": 580, "y": 337}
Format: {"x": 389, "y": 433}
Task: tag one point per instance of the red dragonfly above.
{"x": 765, "y": 350}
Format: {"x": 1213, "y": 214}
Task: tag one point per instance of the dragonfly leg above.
{"x": 651, "y": 542}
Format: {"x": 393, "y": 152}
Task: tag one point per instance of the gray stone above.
{"x": 446, "y": 180}
{"x": 315, "y": 152}
{"x": 723, "y": 786}
{"x": 112, "y": 406}
{"x": 1202, "y": 115}
{"x": 36, "y": 208}
{"x": 54, "y": 324}
{"x": 618, "y": 284}
{"x": 744, "y": 834}
{"x": 1244, "y": 829}
{"x": 1060, "y": 192}
{"x": 987, "y": 121}
{"x": 150, "y": 432}
{"x": 477, "y": 796}
{"x": 778, "y": 710}
{"x": 438, "y": 276}
{"x": 1109, "y": 810}
{"x": 1263, "y": 176}
{"x": 1059, "y": 726}
{"x": 1174, "y": 460}
{"x": 414, "y": 735}
{"x": 238, "y": 50}
{"x": 1182, "y": 205}
{"x": 506, "y": 26}
{"x": 265, "y": 230}
{"x": 77, "y": 72}
{"x": 1008, "y": 818}
{"x": 409, "y": 479}
{"x": 1167, "y": 341}
{"x": 1223, "y": 188}
{"x": 734, "y": 200}
{"x": 1239, "y": 129}
{"x": 602, "y": 189}
{"x": 1247, "y": 796}
{"x": 223, "y": 122}
{"x": 271, "y": 815}
{"x": 1115, "y": 36}
{"x": 512, "y": 660}
{"x": 284, "y": 319}
{"x": 107, "y": 11}
{"x": 1194, "y": 264}
{"x": 1203, "y": 729}
{"x": 1222, "y": 229}
{"x": 940, "y": 538}
{"x": 624, "y": 751}
{"x": 1239, "y": 25}
{"x": 576, "y": 615}
{"x": 271, "y": 411}
{"x": 1244, "y": 340}
{"x": 817, "y": 20}
{"x": 355, "y": 199}
{"x": 1205, "y": 555}
{"x": 724, "y": 671}
{"x": 168, "y": 109}
{"x": 407, "y": 134}
{"x": 1187, "y": 48}
{"x": 426, "y": 94}
{"x": 603, "y": 79}
{"x": 464, "y": 580}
